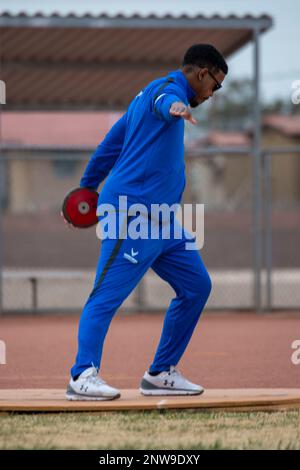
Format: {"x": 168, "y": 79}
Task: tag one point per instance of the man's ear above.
{"x": 203, "y": 72}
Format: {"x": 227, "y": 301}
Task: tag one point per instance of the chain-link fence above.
{"x": 281, "y": 234}
{"x": 223, "y": 182}
{"x": 48, "y": 267}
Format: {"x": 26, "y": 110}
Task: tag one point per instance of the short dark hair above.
{"x": 205, "y": 55}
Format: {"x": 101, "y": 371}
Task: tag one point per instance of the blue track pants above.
{"x": 118, "y": 274}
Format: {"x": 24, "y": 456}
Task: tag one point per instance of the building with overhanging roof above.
{"x": 101, "y": 62}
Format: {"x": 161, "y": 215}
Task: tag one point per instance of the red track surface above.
{"x": 226, "y": 351}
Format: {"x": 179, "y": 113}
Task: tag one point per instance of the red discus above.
{"x": 80, "y": 207}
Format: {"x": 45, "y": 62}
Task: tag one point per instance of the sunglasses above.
{"x": 218, "y": 84}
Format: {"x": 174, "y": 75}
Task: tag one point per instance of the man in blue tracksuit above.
{"x": 142, "y": 157}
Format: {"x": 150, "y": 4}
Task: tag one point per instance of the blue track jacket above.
{"x": 143, "y": 153}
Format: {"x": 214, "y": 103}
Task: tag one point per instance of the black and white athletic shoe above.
{"x": 89, "y": 386}
{"x": 168, "y": 383}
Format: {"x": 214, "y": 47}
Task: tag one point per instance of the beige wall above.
{"x": 285, "y": 168}
{"x": 235, "y": 183}
{"x": 205, "y": 180}
{"x": 37, "y": 185}
{"x": 42, "y": 185}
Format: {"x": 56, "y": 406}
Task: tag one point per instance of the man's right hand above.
{"x": 67, "y": 223}
{"x": 181, "y": 110}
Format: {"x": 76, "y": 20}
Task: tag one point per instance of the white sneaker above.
{"x": 89, "y": 386}
{"x": 168, "y": 383}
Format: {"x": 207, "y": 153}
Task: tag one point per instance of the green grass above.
{"x": 151, "y": 430}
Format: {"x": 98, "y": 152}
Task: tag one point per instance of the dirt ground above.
{"x": 227, "y": 350}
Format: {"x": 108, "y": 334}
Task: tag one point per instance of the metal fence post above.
{"x": 1, "y": 228}
{"x": 257, "y": 242}
{"x": 268, "y": 241}
{"x": 34, "y": 292}
{"x": 1, "y": 253}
